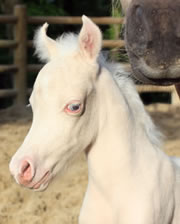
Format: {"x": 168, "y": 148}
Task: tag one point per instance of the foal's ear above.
{"x": 90, "y": 38}
{"x": 46, "y": 48}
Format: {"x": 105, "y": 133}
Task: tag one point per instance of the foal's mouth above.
{"x": 42, "y": 183}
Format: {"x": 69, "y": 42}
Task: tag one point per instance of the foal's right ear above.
{"x": 46, "y": 48}
{"x": 90, "y": 39}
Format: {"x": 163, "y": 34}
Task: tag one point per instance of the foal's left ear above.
{"x": 90, "y": 38}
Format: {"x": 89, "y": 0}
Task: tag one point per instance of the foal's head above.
{"x": 63, "y": 102}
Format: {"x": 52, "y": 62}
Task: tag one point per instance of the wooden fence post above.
{"x": 20, "y": 55}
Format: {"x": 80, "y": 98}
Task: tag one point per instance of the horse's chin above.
{"x": 164, "y": 82}
{"x": 154, "y": 76}
{"x": 144, "y": 79}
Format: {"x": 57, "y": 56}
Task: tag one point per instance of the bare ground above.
{"x": 60, "y": 203}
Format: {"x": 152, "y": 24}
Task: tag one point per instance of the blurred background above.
{"x": 19, "y": 19}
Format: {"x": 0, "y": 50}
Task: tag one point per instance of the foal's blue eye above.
{"x": 73, "y": 107}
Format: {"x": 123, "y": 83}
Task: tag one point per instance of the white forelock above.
{"x": 68, "y": 43}
{"x": 65, "y": 44}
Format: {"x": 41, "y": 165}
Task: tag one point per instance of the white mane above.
{"x": 136, "y": 107}
{"x": 68, "y": 43}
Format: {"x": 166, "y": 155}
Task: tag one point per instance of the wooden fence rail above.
{"x": 8, "y": 19}
{"x": 72, "y": 20}
{"x": 20, "y": 43}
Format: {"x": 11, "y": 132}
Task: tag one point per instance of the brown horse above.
{"x": 153, "y": 40}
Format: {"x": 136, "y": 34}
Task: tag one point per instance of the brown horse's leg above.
{"x": 178, "y": 89}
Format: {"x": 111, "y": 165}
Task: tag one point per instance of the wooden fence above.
{"x": 20, "y": 43}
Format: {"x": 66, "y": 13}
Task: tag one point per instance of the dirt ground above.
{"x": 60, "y": 203}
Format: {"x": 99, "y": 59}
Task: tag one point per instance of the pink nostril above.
{"x": 26, "y": 173}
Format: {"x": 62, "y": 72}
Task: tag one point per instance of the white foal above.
{"x": 80, "y": 102}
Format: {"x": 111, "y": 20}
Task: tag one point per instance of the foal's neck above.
{"x": 115, "y": 121}
{"x": 117, "y": 147}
